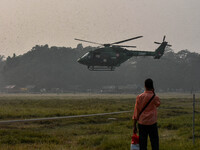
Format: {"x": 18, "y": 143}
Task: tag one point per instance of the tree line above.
{"x": 57, "y": 67}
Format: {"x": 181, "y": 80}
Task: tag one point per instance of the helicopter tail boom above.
{"x": 160, "y": 50}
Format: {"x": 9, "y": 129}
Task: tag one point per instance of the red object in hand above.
{"x": 135, "y": 139}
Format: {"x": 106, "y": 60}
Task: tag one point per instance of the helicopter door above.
{"x": 97, "y": 55}
{"x": 97, "y": 58}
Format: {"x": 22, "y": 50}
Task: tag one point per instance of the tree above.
{"x": 57, "y": 67}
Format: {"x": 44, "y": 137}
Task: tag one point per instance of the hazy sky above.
{"x": 26, "y": 23}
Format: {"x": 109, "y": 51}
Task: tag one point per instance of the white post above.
{"x": 193, "y": 118}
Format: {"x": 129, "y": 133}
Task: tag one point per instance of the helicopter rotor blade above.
{"x": 126, "y": 40}
{"x": 157, "y": 42}
{"x": 161, "y": 43}
{"x": 164, "y": 38}
{"x": 88, "y": 41}
{"x": 125, "y": 46}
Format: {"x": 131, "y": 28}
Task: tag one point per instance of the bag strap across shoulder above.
{"x": 146, "y": 105}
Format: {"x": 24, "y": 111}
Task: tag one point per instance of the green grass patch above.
{"x": 111, "y": 132}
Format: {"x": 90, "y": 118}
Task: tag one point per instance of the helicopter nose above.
{"x": 80, "y": 60}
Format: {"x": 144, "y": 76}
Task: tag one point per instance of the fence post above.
{"x": 193, "y": 119}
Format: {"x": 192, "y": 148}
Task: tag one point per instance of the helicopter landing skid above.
{"x": 101, "y": 68}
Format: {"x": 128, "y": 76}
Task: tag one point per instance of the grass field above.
{"x": 92, "y": 133}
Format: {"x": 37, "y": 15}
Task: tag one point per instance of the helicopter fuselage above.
{"x": 110, "y": 56}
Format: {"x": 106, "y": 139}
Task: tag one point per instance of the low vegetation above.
{"x": 91, "y": 133}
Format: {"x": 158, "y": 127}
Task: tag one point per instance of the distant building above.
{"x": 11, "y": 89}
{"x": 30, "y": 88}
{"x": 129, "y": 88}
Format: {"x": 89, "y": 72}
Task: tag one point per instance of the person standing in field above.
{"x": 145, "y": 113}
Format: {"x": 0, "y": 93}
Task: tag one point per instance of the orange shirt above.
{"x": 149, "y": 115}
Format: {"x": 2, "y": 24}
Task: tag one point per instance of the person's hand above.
{"x": 135, "y": 130}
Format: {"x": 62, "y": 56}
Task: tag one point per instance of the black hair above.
{"x": 149, "y": 84}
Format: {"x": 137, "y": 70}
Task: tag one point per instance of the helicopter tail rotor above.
{"x": 157, "y": 42}
{"x": 163, "y": 42}
{"x": 164, "y": 38}
{"x": 160, "y": 50}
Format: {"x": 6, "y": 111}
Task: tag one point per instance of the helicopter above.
{"x": 112, "y": 55}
